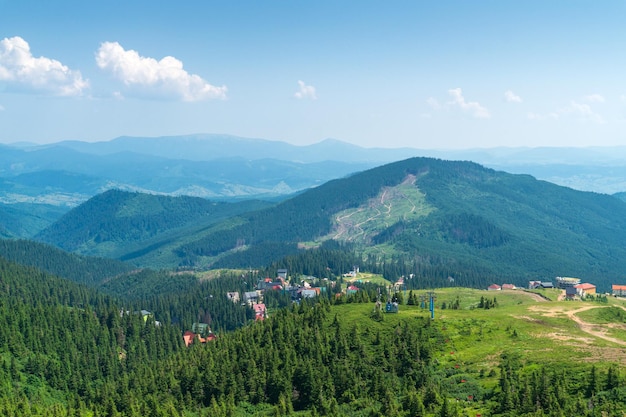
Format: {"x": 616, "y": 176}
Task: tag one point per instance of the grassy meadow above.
{"x": 538, "y": 330}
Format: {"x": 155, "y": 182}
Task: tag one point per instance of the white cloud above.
{"x": 433, "y": 103}
{"x": 2, "y": 107}
{"x": 580, "y": 111}
{"x": 511, "y": 97}
{"x": 24, "y": 72}
{"x": 472, "y": 107}
{"x": 595, "y": 98}
{"x": 583, "y": 112}
{"x": 305, "y": 91}
{"x": 165, "y": 78}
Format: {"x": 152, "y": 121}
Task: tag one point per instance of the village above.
{"x": 202, "y": 333}
{"x": 572, "y": 289}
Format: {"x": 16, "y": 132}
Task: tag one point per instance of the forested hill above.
{"x": 421, "y": 216}
{"x": 116, "y": 222}
{"x": 464, "y": 219}
{"x": 81, "y": 269}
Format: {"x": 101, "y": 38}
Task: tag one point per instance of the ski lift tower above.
{"x": 431, "y": 303}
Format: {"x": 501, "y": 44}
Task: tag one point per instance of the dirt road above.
{"x": 590, "y": 328}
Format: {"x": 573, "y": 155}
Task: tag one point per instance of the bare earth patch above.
{"x": 587, "y": 345}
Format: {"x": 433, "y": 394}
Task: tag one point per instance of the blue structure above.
{"x": 431, "y": 297}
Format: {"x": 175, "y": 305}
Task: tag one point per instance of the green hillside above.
{"x": 82, "y": 269}
{"x": 441, "y": 221}
{"x": 66, "y": 349}
{"x": 24, "y": 220}
{"x": 120, "y": 224}
{"x": 470, "y": 223}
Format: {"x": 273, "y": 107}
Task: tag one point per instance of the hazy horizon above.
{"x": 444, "y": 75}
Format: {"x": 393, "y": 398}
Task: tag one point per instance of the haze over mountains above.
{"x": 132, "y": 161}
{"x": 38, "y": 183}
{"x": 161, "y": 264}
{"x": 437, "y": 218}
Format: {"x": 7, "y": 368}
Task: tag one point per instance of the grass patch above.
{"x": 367, "y": 277}
{"x": 541, "y": 332}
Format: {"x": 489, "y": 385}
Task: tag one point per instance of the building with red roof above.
{"x": 585, "y": 289}
{"x": 618, "y": 290}
{"x": 260, "y": 312}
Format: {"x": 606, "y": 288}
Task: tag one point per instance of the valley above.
{"x": 318, "y": 303}
{"x": 483, "y": 353}
{"x": 307, "y": 209}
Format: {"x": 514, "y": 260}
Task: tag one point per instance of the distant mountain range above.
{"x": 447, "y": 219}
{"x": 41, "y": 182}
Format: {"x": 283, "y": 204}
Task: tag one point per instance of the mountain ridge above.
{"x": 51, "y": 179}
{"x": 452, "y": 216}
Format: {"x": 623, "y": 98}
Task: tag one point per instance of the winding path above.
{"x": 590, "y": 328}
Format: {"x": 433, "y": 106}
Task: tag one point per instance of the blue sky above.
{"x": 444, "y": 74}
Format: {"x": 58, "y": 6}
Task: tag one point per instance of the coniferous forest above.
{"x": 87, "y": 336}
{"x": 69, "y": 349}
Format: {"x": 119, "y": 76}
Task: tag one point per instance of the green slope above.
{"x": 459, "y": 215}
{"x": 431, "y": 218}
{"x": 65, "y": 349}
{"x": 77, "y": 268}
{"x": 126, "y": 225}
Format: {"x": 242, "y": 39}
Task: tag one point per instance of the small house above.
{"x": 145, "y": 314}
{"x": 188, "y": 338}
{"x": 260, "y": 312}
{"x": 200, "y": 328}
{"x": 494, "y": 287}
{"x": 250, "y": 297}
{"x": 352, "y": 290}
{"x": 564, "y": 282}
{"x": 508, "y": 286}
{"x": 309, "y": 293}
{"x": 571, "y": 293}
{"x": 585, "y": 289}
{"x": 233, "y": 296}
{"x": 546, "y": 284}
{"x": 618, "y": 290}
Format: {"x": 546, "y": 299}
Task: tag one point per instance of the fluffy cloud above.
{"x": 165, "y": 78}
{"x": 472, "y": 107}
{"x": 579, "y": 111}
{"x": 305, "y": 91}
{"x": 511, "y": 97}
{"x": 595, "y": 98}
{"x": 24, "y": 72}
